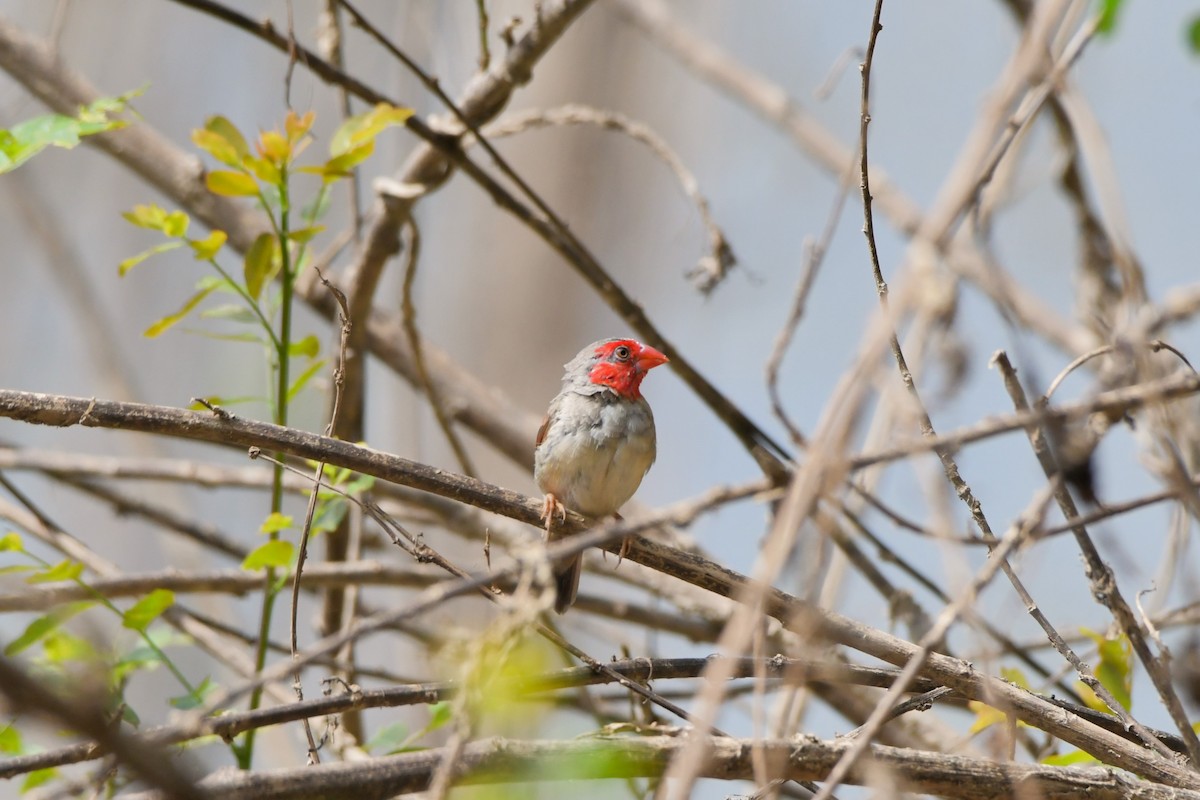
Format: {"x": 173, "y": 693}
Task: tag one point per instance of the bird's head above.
{"x": 619, "y": 364}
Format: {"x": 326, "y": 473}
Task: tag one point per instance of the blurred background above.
{"x": 511, "y": 312}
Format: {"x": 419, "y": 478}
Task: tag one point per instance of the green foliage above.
{"x": 148, "y": 609}
{"x": 264, "y": 288}
{"x": 275, "y": 522}
{"x": 1108, "y": 15}
{"x": 46, "y": 624}
{"x": 195, "y": 698}
{"x": 395, "y": 738}
{"x": 1115, "y": 671}
{"x": 275, "y": 554}
{"x": 1193, "y": 35}
{"x": 985, "y": 715}
{"x": 331, "y": 504}
{"x": 26, "y": 139}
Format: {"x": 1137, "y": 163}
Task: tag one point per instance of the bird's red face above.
{"x": 621, "y": 364}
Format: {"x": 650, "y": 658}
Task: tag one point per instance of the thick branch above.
{"x": 504, "y": 761}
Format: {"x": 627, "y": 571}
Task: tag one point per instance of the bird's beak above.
{"x": 650, "y": 358}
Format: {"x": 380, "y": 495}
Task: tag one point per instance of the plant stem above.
{"x": 271, "y": 586}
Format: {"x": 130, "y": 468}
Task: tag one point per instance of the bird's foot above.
{"x": 551, "y": 508}
{"x": 626, "y": 543}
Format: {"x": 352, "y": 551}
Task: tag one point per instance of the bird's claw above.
{"x": 626, "y": 543}
{"x": 551, "y": 508}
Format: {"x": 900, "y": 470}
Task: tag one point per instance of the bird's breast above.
{"x": 595, "y": 453}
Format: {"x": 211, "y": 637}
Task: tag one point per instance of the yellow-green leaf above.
{"x": 305, "y": 235}
{"x": 11, "y": 543}
{"x": 275, "y": 553}
{"x": 263, "y": 169}
{"x": 257, "y": 266}
{"x": 39, "y": 777}
{"x": 162, "y": 325}
{"x": 308, "y": 347}
{"x": 1115, "y": 670}
{"x": 229, "y": 132}
{"x": 45, "y": 625}
{"x": 208, "y": 247}
{"x": 231, "y": 184}
{"x": 10, "y": 740}
{"x": 273, "y": 147}
{"x": 146, "y": 216}
{"x": 65, "y": 570}
{"x": 216, "y": 146}
{"x": 1071, "y": 759}
{"x": 340, "y": 165}
{"x": 175, "y": 224}
{"x": 133, "y": 261}
{"x": 304, "y": 378}
{"x": 363, "y": 128}
{"x": 149, "y": 608}
{"x": 276, "y": 522}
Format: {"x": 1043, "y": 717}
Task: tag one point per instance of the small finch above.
{"x": 597, "y": 442}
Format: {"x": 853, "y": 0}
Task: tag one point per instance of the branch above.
{"x": 505, "y": 760}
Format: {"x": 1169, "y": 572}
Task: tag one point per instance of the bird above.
{"x": 596, "y": 443}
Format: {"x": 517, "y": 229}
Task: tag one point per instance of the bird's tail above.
{"x": 566, "y": 583}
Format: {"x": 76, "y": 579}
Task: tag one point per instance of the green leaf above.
{"x": 164, "y": 324}
{"x": 1108, "y": 15}
{"x": 389, "y": 739}
{"x": 229, "y": 132}
{"x": 363, "y": 128}
{"x": 308, "y": 347}
{"x": 439, "y": 715}
{"x": 257, "y": 266}
{"x": 61, "y": 647}
{"x": 305, "y": 235}
{"x": 305, "y": 377}
{"x": 1193, "y": 35}
{"x": 176, "y": 224}
{"x": 173, "y": 224}
{"x": 1070, "y": 759}
{"x": 39, "y": 777}
{"x": 149, "y": 216}
{"x": 26, "y": 139}
{"x": 275, "y": 522}
{"x": 363, "y": 483}
{"x": 11, "y": 543}
{"x": 264, "y": 170}
{"x": 133, "y": 261}
{"x": 229, "y": 337}
{"x": 10, "y": 740}
{"x": 208, "y": 247}
{"x": 231, "y": 184}
{"x": 340, "y": 165}
{"x": 45, "y": 625}
{"x": 65, "y": 570}
{"x": 328, "y": 515}
{"x": 1115, "y": 671}
{"x": 232, "y": 312}
{"x": 217, "y": 146}
{"x": 275, "y": 553}
{"x": 195, "y": 698}
{"x": 217, "y": 400}
{"x": 148, "y": 609}
{"x": 16, "y": 569}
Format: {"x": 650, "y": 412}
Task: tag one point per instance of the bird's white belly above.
{"x": 595, "y": 469}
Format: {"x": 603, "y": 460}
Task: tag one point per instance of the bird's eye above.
{"x": 622, "y": 353}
